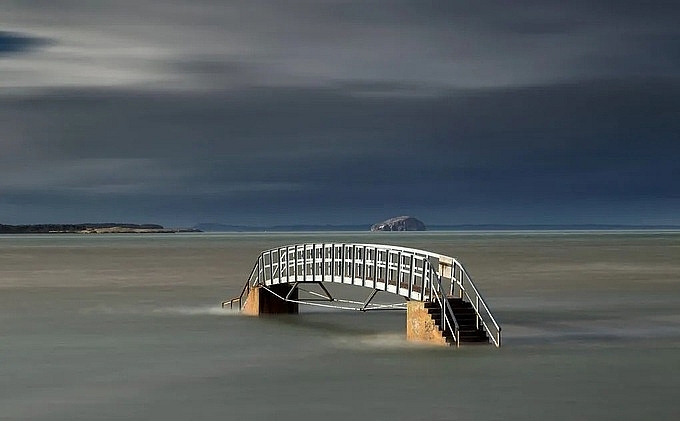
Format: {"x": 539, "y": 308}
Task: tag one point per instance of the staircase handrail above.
{"x": 246, "y": 288}
{"x": 445, "y": 307}
{"x": 476, "y": 304}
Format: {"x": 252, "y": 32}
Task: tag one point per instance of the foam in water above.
{"x": 377, "y": 341}
{"x": 207, "y": 310}
{"x": 197, "y": 311}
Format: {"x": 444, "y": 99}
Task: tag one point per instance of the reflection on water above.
{"x": 111, "y": 327}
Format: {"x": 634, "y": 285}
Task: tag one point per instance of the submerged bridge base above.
{"x": 262, "y": 301}
{"x": 420, "y": 326}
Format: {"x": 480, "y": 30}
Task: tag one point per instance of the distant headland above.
{"x": 98, "y": 228}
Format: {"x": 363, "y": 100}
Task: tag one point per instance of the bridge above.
{"x": 443, "y": 305}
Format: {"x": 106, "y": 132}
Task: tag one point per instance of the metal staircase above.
{"x": 469, "y": 330}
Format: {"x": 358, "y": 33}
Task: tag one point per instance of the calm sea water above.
{"x": 130, "y": 327}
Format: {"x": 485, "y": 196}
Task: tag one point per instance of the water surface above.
{"x": 129, "y": 327}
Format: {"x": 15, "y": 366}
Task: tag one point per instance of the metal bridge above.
{"x": 439, "y": 282}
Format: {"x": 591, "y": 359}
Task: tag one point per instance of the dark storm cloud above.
{"x": 284, "y": 148}
{"x": 157, "y": 44}
{"x": 212, "y": 110}
{"x": 13, "y": 43}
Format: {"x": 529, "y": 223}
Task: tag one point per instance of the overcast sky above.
{"x": 339, "y": 112}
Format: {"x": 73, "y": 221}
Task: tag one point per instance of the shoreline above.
{"x": 103, "y": 228}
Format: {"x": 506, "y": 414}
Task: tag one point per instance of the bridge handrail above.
{"x": 465, "y": 283}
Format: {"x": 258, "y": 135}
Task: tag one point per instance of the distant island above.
{"x": 400, "y": 223}
{"x": 98, "y": 228}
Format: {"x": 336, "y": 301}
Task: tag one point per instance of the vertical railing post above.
{"x": 295, "y": 262}
{"x": 260, "y": 269}
{"x": 422, "y": 280}
{"x": 477, "y": 310}
{"x": 375, "y": 268}
{"x": 304, "y": 262}
{"x": 442, "y": 298}
{"x": 271, "y": 267}
{"x": 411, "y": 279}
{"x": 344, "y": 257}
{"x": 314, "y": 262}
{"x": 388, "y": 256}
{"x": 399, "y": 272}
{"x": 453, "y": 277}
{"x": 333, "y": 262}
{"x": 363, "y": 265}
{"x": 426, "y": 278}
{"x": 288, "y": 264}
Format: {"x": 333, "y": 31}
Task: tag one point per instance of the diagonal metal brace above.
{"x": 368, "y": 300}
{"x": 328, "y": 294}
{"x": 291, "y": 291}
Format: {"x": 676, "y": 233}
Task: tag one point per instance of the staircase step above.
{"x": 478, "y": 338}
{"x": 456, "y": 300}
{"x": 466, "y": 317}
{"x": 462, "y": 308}
{"x": 471, "y": 332}
{"x": 467, "y": 320}
{"x": 457, "y": 303}
{"x": 462, "y": 327}
{"x": 473, "y": 336}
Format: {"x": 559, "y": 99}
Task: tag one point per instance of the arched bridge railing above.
{"x": 411, "y": 273}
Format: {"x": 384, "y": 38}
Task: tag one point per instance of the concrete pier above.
{"x": 420, "y": 327}
{"x": 260, "y": 301}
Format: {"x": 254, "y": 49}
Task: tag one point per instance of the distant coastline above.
{"x": 98, "y": 228}
{"x": 125, "y": 228}
{"x": 216, "y": 227}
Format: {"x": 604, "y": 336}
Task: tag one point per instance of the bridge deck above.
{"x": 416, "y": 275}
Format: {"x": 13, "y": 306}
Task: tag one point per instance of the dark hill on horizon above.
{"x": 89, "y": 228}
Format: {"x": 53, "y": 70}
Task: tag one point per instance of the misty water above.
{"x": 130, "y": 327}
